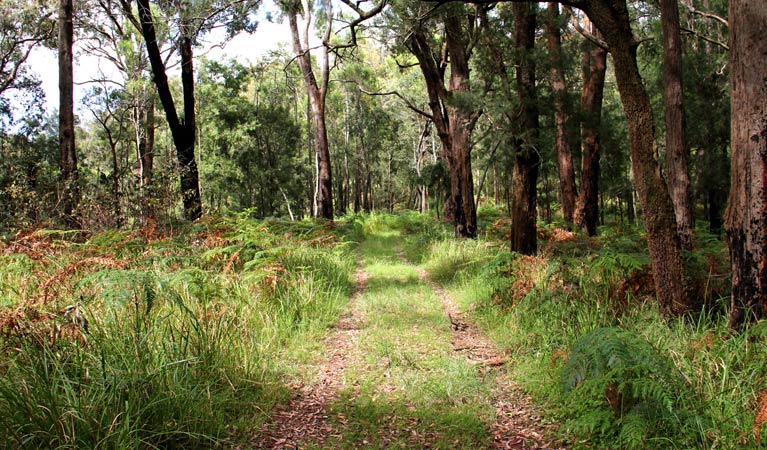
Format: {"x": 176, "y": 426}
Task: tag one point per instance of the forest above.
{"x": 417, "y": 224}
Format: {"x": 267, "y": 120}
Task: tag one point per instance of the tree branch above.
{"x": 407, "y": 102}
{"x": 704, "y": 38}
{"x": 707, "y": 15}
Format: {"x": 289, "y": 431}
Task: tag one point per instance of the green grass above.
{"x": 548, "y": 312}
{"x": 407, "y": 388}
{"x": 194, "y": 336}
{"x": 191, "y": 338}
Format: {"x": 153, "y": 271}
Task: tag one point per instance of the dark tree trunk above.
{"x": 561, "y": 114}
{"x": 594, "y": 64}
{"x": 630, "y": 216}
{"x": 183, "y": 133}
{"x": 677, "y": 154}
{"x": 70, "y": 193}
{"x": 317, "y": 95}
{"x": 611, "y": 17}
{"x": 524, "y": 236}
{"x": 746, "y": 216}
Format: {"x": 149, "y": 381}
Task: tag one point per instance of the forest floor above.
{"x": 405, "y": 368}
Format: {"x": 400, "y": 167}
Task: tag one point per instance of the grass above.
{"x": 583, "y": 327}
{"x": 191, "y": 337}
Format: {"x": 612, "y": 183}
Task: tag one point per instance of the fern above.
{"x": 621, "y": 388}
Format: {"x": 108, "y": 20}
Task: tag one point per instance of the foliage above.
{"x": 129, "y": 340}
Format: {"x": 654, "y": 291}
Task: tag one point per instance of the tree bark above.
{"x": 317, "y": 95}
{"x": 746, "y": 216}
{"x": 677, "y": 154}
{"x": 146, "y": 158}
{"x": 611, "y": 17}
{"x": 183, "y": 133}
{"x": 453, "y": 120}
{"x": 561, "y": 114}
{"x": 70, "y": 193}
{"x": 527, "y": 160}
{"x": 594, "y": 64}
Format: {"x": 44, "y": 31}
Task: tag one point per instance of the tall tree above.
{"x": 70, "y": 195}
{"x": 594, "y": 66}
{"x": 561, "y": 114}
{"x": 317, "y": 93}
{"x": 746, "y": 216}
{"x": 677, "y": 153}
{"x": 527, "y": 159}
{"x": 612, "y": 18}
{"x": 452, "y": 112}
{"x": 183, "y": 131}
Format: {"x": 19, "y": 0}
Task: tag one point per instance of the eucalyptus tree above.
{"x": 562, "y": 114}
{"x": 191, "y": 20}
{"x": 613, "y": 20}
{"x": 304, "y": 11}
{"x": 593, "y": 66}
{"x": 70, "y": 195}
{"x": 443, "y": 43}
{"x": 746, "y": 217}
{"x": 527, "y": 159}
{"x": 677, "y": 152}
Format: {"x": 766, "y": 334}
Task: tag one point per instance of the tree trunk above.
{"x": 454, "y": 122}
{"x": 317, "y": 95}
{"x": 611, "y": 17}
{"x": 70, "y": 193}
{"x": 561, "y": 114}
{"x": 746, "y": 216}
{"x": 594, "y": 64}
{"x": 524, "y": 238}
{"x": 677, "y": 154}
{"x": 146, "y": 159}
{"x": 183, "y": 133}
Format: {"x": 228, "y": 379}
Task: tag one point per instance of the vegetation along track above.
{"x": 405, "y": 368}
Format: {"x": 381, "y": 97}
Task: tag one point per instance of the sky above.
{"x": 244, "y": 47}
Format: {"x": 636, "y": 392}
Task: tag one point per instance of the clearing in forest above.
{"x": 405, "y": 368}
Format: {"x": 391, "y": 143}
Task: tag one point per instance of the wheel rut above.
{"x": 518, "y": 424}
{"x": 305, "y": 419}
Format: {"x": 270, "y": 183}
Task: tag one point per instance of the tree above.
{"x": 561, "y": 114}
{"x": 317, "y": 94}
{"x": 593, "y": 65}
{"x": 183, "y": 132}
{"x": 524, "y": 237}
{"x": 23, "y": 26}
{"x": 452, "y": 112}
{"x": 612, "y": 18}
{"x": 68, "y": 157}
{"x": 677, "y": 153}
{"x": 746, "y": 216}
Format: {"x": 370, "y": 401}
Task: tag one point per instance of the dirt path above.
{"x": 518, "y": 425}
{"x": 305, "y": 418}
{"x": 397, "y": 374}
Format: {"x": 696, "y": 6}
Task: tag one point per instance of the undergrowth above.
{"x": 143, "y": 340}
{"x": 582, "y": 324}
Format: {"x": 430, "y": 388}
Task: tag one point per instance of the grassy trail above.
{"x": 405, "y": 369}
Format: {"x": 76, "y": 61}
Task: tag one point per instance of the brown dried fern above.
{"x": 761, "y": 415}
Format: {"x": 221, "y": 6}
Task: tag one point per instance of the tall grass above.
{"x": 190, "y": 339}
{"x": 583, "y": 326}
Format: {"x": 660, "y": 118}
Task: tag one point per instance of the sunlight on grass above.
{"x": 410, "y": 388}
